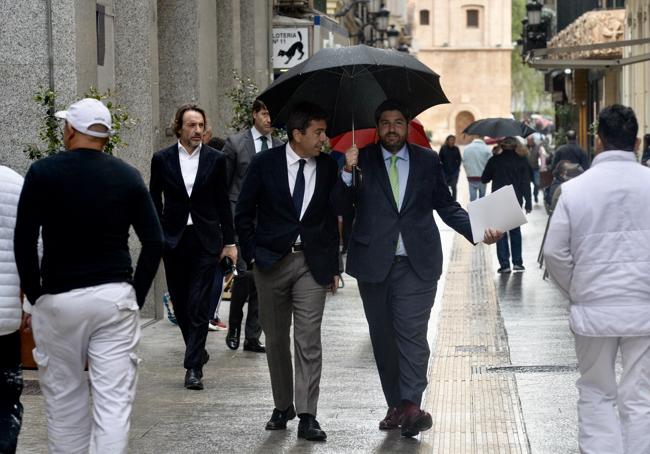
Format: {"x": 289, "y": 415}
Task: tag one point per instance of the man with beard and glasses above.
{"x": 396, "y": 256}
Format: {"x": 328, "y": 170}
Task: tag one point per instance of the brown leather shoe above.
{"x": 391, "y": 421}
{"x": 415, "y": 421}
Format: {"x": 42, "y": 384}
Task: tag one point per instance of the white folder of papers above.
{"x": 499, "y": 210}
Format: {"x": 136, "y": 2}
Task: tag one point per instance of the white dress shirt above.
{"x": 310, "y": 177}
{"x": 256, "y": 139}
{"x": 189, "y": 167}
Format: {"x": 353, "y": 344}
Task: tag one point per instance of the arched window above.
{"x": 472, "y": 18}
{"x": 424, "y": 17}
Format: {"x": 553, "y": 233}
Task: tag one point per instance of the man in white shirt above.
{"x": 288, "y": 229}
{"x": 597, "y": 250}
{"x": 188, "y": 188}
{"x": 240, "y": 149}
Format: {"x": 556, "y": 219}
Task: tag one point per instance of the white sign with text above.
{"x": 290, "y": 46}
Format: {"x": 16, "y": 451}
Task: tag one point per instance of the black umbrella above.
{"x": 350, "y": 82}
{"x": 498, "y": 127}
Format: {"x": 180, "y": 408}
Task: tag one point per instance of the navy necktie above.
{"x": 299, "y": 188}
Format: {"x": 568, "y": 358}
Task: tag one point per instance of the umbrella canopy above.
{"x": 350, "y": 82}
{"x": 364, "y": 137}
{"x": 499, "y": 127}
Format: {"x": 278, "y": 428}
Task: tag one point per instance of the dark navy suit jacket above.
{"x": 378, "y": 222}
{"x": 209, "y": 205}
{"x": 267, "y": 223}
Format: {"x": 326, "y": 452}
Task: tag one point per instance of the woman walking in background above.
{"x": 451, "y": 160}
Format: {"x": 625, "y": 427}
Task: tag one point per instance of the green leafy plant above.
{"x": 242, "y": 96}
{"x": 50, "y": 130}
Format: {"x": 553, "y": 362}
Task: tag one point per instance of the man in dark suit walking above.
{"x": 239, "y": 150}
{"x": 396, "y": 256}
{"x": 198, "y": 228}
{"x": 287, "y": 228}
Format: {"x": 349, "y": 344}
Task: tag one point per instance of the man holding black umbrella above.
{"x": 396, "y": 256}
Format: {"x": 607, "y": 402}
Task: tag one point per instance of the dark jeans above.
{"x": 11, "y": 386}
{"x": 503, "y": 251}
{"x": 191, "y": 271}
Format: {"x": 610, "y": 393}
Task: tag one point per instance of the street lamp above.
{"x": 534, "y": 12}
{"x": 393, "y": 36}
{"x": 381, "y": 19}
{"x": 374, "y": 6}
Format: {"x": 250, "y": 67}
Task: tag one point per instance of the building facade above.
{"x": 469, "y": 43}
{"x": 636, "y": 77}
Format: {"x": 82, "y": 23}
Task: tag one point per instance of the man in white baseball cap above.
{"x": 84, "y": 295}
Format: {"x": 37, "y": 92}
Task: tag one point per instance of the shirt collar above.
{"x": 401, "y": 154}
{"x": 613, "y": 155}
{"x": 256, "y": 135}
{"x": 293, "y": 158}
{"x": 181, "y": 149}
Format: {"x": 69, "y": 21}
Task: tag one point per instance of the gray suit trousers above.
{"x": 288, "y": 288}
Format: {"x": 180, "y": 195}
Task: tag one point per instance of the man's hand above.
{"x": 492, "y": 236}
{"x": 230, "y": 251}
{"x": 351, "y": 158}
{"x": 335, "y": 284}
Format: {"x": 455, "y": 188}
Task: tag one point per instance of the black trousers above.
{"x": 190, "y": 271}
{"x": 398, "y": 311}
{"x": 11, "y": 386}
{"x": 243, "y": 290}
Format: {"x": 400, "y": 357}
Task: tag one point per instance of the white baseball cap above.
{"x": 81, "y": 115}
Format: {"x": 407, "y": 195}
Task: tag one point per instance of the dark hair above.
{"x": 301, "y": 115}
{"x": 450, "y": 136}
{"x": 258, "y": 105}
{"x": 571, "y": 135}
{"x": 177, "y": 124}
{"x": 617, "y": 127}
{"x": 646, "y": 141}
{"x": 217, "y": 143}
{"x": 392, "y": 104}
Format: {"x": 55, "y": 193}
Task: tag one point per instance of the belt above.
{"x": 297, "y": 247}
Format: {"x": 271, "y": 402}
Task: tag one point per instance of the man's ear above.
{"x": 637, "y": 144}
{"x": 598, "y": 147}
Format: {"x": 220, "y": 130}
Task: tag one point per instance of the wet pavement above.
{"x": 501, "y": 377}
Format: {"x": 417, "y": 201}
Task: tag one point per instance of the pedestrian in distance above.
{"x": 597, "y": 250}
{"x": 85, "y": 297}
{"x": 537, "y": 161}
{"x": 240, "y": 149}
{"x": 451, "y": 161}
{"x": 396, "y": 256}
{"x": 188, "y": 188}
{"x": 11, "y": 374}
{"x": 571, "y": 152}
{"x": 475, "y": 158}
{"x": 509, "y": 167}
{"x": 288, "y": 235}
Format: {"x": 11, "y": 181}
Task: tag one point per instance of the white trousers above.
{"x": 99, "y": 325}
{"x": 603, "y": 429}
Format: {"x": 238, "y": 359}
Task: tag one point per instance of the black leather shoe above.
{"x": 254, "y": 345}
{"x": 193, "y": 379}
{"x": 309, "y": 429}
{"x": 232, "y": 338}
{"x": 279, "y": 418}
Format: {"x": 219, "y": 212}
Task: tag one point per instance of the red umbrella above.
{"x": 364, "y": 137}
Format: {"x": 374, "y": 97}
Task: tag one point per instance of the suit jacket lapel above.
{"x": 205, "y": 164}
{"x": 317, "y": 187}
{"x": 282, "y": 178}
{"x": 411, "y": 179}
{"x": 377, "y": 159}
{"x": 249, "y": 144}
{"x": 174, "y": 165}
